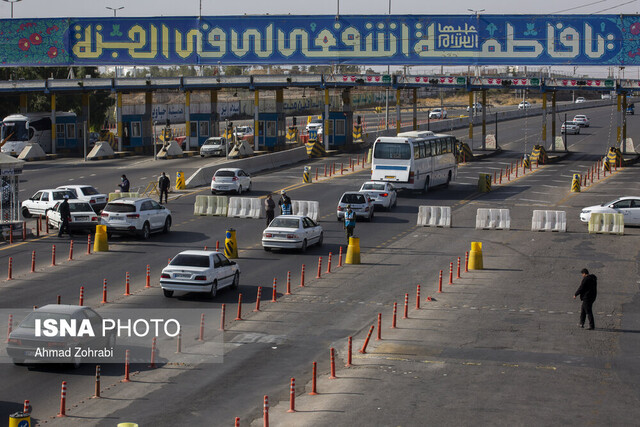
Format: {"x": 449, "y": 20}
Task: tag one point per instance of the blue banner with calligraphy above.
{"x": 588, "y": 40}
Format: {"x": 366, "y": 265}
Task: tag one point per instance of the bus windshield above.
{"x": 16, "y": 131}
{"x": 390, "y": 150}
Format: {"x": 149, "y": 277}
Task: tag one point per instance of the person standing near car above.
{"x": 65, "y": 216}
{"x": 285, "y": 200}
{"x": 124, "y": 184}
{"x": 163, "y": 185}
{"x": 588, "y": 292}
{"x": 269, "y": 208}
{"x": 349, "y": 222}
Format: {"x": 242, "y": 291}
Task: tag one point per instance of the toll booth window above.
{"x": 331, "y": 125}
{"x": 71, "y": 130}
{"x": 340, "y": 127}
{"x": 193, "y": 129}
{"x": 81, "y": 133}
{"x": 135, "y": 130}
{"x": 204, "y": 129}
{"x": 271, "y": 129}
{"x": 60, "y": 130}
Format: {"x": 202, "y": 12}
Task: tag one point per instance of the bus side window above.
{"x": 416, "y": 150}
{"x": 423, "y": 150}
{"x": 427, "y": 149}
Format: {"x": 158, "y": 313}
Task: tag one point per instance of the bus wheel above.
{"x": 448, "y": 179}
{"x": 426, "y": 186}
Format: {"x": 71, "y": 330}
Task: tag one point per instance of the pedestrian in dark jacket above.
{"x": 269, "y": 208}
{"x": 588, "y": 291}
{"x": 285, "y": 203}
{"x": 65, "y": 217}
{"x": 163, "y": 185}
{"x": 124, "y": 184}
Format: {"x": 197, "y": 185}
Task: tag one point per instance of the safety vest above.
{"x": 350, "y": 219}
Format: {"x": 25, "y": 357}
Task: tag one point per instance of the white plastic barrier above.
{"x": 306, "y": 208}
{"x": 434, "y": 216}
{"x": 549, "y": 221}
{"x": 200, "y": 205}
{"x": 245, "y": 207}
{"x": 217, "y": 205}
{"x": 606, "y": 223}
{"x": 493, "y": 219}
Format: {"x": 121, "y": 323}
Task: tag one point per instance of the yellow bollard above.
{"x": 306, "y": 175}
{"x": 230, "y": 244}
{"x": 353, "y": 251}
{"x": 369, "y": 154}
{"x": 101, "y": 244}
{"x": 575, "y": 183}
{"x": 127, "y": 425}
{"x": 180, "y": 185}
{"x": 475, "y": 256}
{"x": 19, "y": 419}
{"x": 484, "y": 183}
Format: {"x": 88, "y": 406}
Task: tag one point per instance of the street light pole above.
{"x": 12, "y": 2}
{"x": 386, "y": 102}
{"x": 115, "y": 9}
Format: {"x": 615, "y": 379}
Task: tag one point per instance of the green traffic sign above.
{"x": 386, "y": 78}
{"x": 608, "y": 83}
{"x": 535, "y": 82}
{"x": 460, "y": 80}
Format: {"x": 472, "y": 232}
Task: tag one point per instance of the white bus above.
{"x": 415, "y": 160}
{"x": 20, "y": 129}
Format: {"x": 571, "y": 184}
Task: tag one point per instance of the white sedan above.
{"x": 582, "y": 120}
{"x": 524, "y": 105}
{"x": 292, "y": 232}
{"x": 438, "y": 113}
{"x": 83, "y": 217}
{"x": 570, "y": 127}
{"x": 230, "y": 179}
{"x": 199, "y": 271}
{"x": 629, "y": 207}
{"x": 381, "y": 193}
{"x": 88, "y": 194}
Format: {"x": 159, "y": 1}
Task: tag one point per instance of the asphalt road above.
{"x": 251, "y": 370}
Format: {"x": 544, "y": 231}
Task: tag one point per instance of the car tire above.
{"x": 18, "y": 362}
{"x": 372, "y": 215}
{"x": 249, "y": 188}
{"x": 236, "y": 281}
{"x": 201, "y": 155}
{"x": 426, "y": 186}
{"x": 167, "y": 225}
{"x": 448, "y": 179}
{"x": 167, "y": 293}
{"x": 266, "y": 248}
{"x": 146, "y": 231}
{"x": 321, "y": 239}
{"x": 338, "y": 218}
{"x": 214, "y": 289}
{"x": 25, "y": 212}
{"x": 239, "y": 191}
{"x": 303, "y": 249}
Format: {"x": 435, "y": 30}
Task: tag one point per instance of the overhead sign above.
{"x": 515, "y": 82}
{"x": 432, "y": 80}
{"x": 355, "y": 39}
{"x": 578, "y": 83}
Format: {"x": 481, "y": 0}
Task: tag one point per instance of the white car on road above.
{"x": 199, "y": 271}
{"x": 83, "y": 217}
{"x": 292, "y": 232}
{"x": 582, "y": 120}
{"x": 135, "y": 215}
{"x": 438, "y": 113}
{"x": 88, "y": 194}
{"x": 476, "y": 107}
{"x": 580, "y": 100}
{"x": 524, "y": 105}
{"x": 230, "y": 180}
{"x": 360, "y": 203}
{"x": 570, "y": 127}
{"x": 628, "y": 206}
{"x": 43, "y": 200}
{"x": 381, "y": 193}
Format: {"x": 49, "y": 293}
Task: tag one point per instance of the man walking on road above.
{"x": 588, "y": 292}
{"x": 163, "y": 185}
{"x": 269, "y": 208}
{"x": 65, "y": 216}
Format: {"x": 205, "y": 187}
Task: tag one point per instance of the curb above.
{"x": 112, "y": 156}
{"x": 179, "y": 156}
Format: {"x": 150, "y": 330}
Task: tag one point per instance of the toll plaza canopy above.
{"x": 586, "y": 40}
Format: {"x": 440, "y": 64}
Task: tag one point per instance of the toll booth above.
{"x": 132, "y": 137}
{"x": 200, "y": 127}
{"x": 272, "y": 131}
{"x": 340, "y": 131}
{"x": 69, "y": 133}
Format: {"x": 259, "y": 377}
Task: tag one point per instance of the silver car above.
{"x": 381, "y": 193}
{"x": 230, "y": 180}
{"x": 360, "y": 203}
{"x": 570, "y": 127}
{"x": 292, "y": 232}
{"x": 214, "y": 146}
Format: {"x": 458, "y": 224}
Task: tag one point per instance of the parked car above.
{"x": 476, "y": 107}
{"x": 381, "y": 193}
{"x": 230, "y": 179}
{"x": 136, "y": 215}
{"x": 360, "y": 203}
{"x": 215, "y": 146}
{"x": 93, "y": 138}
{"x": 23, "y": 342}
{"x": 88, "y": 194}
{"x": 292, "y": 232}
{"x": 628, "y": 206}
{"x": 631, "y": 109}
{"x": 83, "y": 217}
{"x": 580, "y": 100}
{"x": 582, "y": 120}
{"x": 438, "y": 113}
{"x": 570, "y": 127}
{"x": 524, "y": 105}
{"x": 243, "y": 131}
{"x": 42, "y": 200}
{"x": 199, "y": 271}
{"x": 315, "y": 124}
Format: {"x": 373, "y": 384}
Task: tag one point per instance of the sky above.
{"x": 132, "y": 8}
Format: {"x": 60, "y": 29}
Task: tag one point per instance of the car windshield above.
{"x": 243, "y": 129}
{"x": 284, "y": 223}
{"x": 225, "y": 173}
{"x": 30, "y": 320}
{"x": 80, "y": 207}
{"x": 189, "y": 260}
{"x": 89, "y": 191}
{"x": 373, "y": 186}
{"x": 119, "y": 207}
{"x": 353, "y": 198}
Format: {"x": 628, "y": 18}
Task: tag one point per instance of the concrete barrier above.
{"x": 245, "y": 207}
{"x": 434, "y": 216}
{"x": 306, "y": 208}
{"x": 250, "y": 165}
{"x": 606, "y": 223}
{"x": 114, "y": 196}
{"x": 543, "y": 220}
{"x": 102, "y": 150}
{"x": 31, "y": 152}
{"x": 493, "y": 219}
